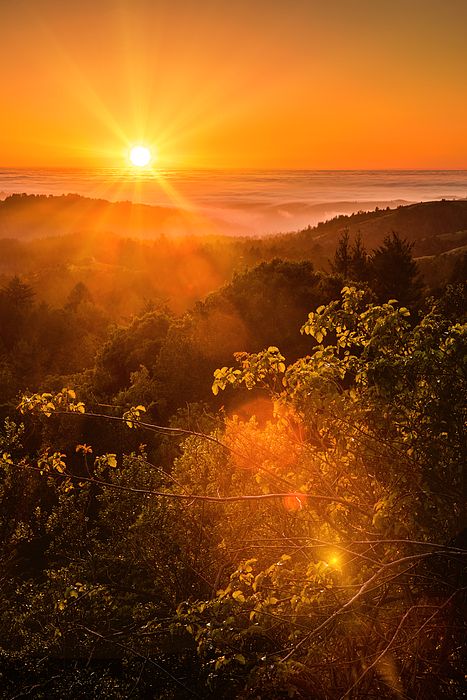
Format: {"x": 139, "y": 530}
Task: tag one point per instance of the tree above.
{"x": 381, "y": 415}
{"x": 359, "y": 267}
{"x": 127, "y": 350}
{"x": 18, "y": 294}
{"x": 79, "y": 294}
{"x": 393, "y": 271}
{"x": 260, "y": 307}
{"x": 341, "y": 263}
{"x": 16, "y": 302}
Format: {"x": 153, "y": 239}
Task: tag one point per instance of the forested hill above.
{"x": 54, "y": 243}
{"x": 432, "y": 228}
{"x": 35, "y": 216}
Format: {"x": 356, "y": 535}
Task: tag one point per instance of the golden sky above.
{"x": 278, "y": 83}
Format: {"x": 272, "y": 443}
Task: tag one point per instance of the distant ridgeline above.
{"x": 432, "y": 227}
{"x": 55, "y": 242}
{"x": 28, "y": 216}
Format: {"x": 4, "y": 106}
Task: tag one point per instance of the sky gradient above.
{"x": 345, "y": 84}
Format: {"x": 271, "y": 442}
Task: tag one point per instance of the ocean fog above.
{"x": 247, "y": 201}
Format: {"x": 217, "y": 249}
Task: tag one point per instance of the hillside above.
{"x": 436, "y": 230}
{"x": 56, "y": 242}
{"x": 35, "y": 216}
{"x": 124, "y": 274}
{"x": 432, "y": 227}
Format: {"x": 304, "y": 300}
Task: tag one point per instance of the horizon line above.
{"x": 234, "y": 168}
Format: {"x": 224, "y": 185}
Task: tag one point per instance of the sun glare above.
{"x": 140, "y": 156}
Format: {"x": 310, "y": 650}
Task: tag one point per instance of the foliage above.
{"x": 300, "y": 556}
{"x": 39, "y": 343}
{"x": 381, "y": 414}
{"x": 130, "y": 349}
{"x": 262, "y": 306}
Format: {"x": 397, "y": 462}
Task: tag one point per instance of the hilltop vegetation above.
{"x": 432, "y": 227}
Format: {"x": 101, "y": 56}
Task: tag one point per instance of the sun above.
{"x": 140, "y": 156}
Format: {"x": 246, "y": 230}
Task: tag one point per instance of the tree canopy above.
{"x": 318, "y": 553}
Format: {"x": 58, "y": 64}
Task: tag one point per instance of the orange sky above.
{"x": 277, "y": 83}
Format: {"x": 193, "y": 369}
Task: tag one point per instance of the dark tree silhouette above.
{"x": 359, "y": 266}
{"x": 18, "y": 294}
{"x": 393, "y": 271}
{"x": 16, "y": 302}
{"x": 78, "y": 295}
{"x": 341, "y": 263}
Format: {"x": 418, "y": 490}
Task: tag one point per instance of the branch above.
{"x": 363, "y": 589}
{"x": 213, "y": 499}
{"x": 175, "y": 432}
{"x": 391, "y": 641}
{"x": 141, "y": 656}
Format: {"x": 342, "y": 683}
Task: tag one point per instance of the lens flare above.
{"x": 293, "y": 502}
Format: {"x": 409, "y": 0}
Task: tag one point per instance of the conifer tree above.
{"x": 393, "y": 271}
{"x": 342, "y": 257}
{"x": 359, "y": 269}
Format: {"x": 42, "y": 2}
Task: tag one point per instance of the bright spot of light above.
{"x": 140, "y": 156}
{"x": 334, "y": 562}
